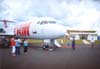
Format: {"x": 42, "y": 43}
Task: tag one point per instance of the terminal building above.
{"x": 82, "y": 34}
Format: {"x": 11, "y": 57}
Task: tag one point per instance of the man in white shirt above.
{"x": 92, "y": 42}
{"x": 18, "y": 44}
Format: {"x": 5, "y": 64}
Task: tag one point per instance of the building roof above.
{"x": 88, "y": 31}
{"x": 93, "y": 32}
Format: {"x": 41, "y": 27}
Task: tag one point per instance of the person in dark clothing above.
{"x": 46, "y": 47}
{"x": 73, "y": 43}
{"x": 5, "y": 43}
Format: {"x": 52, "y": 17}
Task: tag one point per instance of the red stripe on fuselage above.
{"x": 22, "y": 30}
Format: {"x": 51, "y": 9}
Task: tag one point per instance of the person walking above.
{"x": 26, "y": 44}
{"x": 73, "y": 43}
{"x": 12, "y": 44}
{"x": 92, "y": 42}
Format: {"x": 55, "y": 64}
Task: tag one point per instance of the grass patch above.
{"x": 60, "y": 41}
{"x": 34, "y": 41}
{"x": 79, "y": 42}
{"x": 97, "y": 42}
{"x": 65, "y": 41}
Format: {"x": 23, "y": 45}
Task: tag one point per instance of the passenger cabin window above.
{"x": 46, "y": 22}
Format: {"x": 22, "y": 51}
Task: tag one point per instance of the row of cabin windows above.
{"x": 46, "y": 22}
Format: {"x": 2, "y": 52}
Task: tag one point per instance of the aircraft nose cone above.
{"x": 61, "y": 30}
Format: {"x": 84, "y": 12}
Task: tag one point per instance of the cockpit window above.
{"x": 46, "y": 22}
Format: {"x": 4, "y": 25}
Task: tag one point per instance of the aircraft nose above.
{"x": 60, "y": 30}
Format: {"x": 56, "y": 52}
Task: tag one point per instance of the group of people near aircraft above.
{"x": 15, "y": 43}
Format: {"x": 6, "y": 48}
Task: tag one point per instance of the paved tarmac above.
{"x": 61, "y": 58}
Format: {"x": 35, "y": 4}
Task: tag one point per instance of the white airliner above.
{"x": 43, "y": 28}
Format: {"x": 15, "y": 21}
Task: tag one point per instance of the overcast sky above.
{"x": 74, "y": 14}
